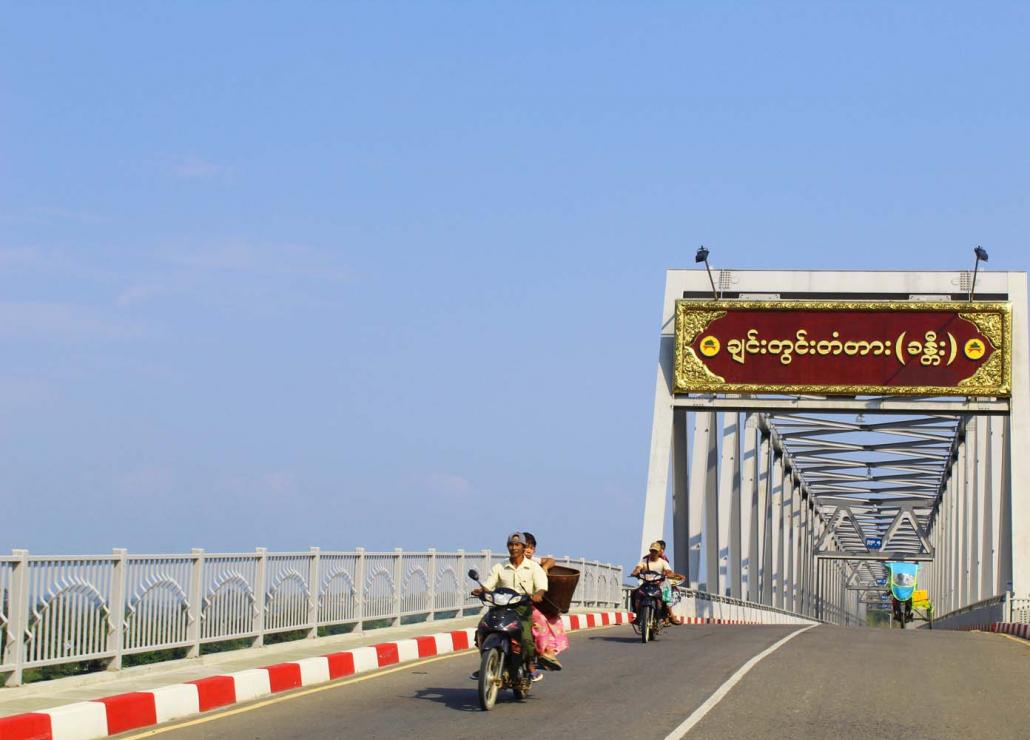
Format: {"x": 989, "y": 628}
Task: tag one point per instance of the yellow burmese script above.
{"x": 929, "y": 349}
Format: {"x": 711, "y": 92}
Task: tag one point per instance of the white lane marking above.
{"x": 698, "y": 714}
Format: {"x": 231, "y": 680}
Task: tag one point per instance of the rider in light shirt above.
{"x": 525, "y": 577}
{"x": 655, "y": 561}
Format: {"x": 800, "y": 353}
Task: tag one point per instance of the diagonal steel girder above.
{"x": 910, "y": 457}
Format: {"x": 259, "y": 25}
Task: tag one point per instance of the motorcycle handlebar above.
{"x": 518, "y": 600}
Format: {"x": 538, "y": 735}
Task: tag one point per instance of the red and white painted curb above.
{"x": 1011, "y": 628}
{"x": 1008, "y": 628}
{"x": 114, "y": 714}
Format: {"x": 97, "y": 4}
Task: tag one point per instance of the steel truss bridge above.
{"x": 797, "y": 501}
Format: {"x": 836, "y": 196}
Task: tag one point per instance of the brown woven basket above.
{"x": 561, "y": 584}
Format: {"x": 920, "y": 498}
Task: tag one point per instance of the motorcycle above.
{"x": 499, "y": 638}
{"x": 903, "y": 584}
{"x": 648, "y": 605}
{"x": 902, "y": 611}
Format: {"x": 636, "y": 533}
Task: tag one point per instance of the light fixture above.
{"x": 981, "y": 256}
{"x": 702, "y": 256}
{"x": 860, "y": 419}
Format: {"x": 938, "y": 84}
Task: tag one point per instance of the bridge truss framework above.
{"x": 774, "y": 497}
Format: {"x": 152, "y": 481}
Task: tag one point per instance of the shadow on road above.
{"x": 615, "y": 639}
{"x": 463, "y": 700}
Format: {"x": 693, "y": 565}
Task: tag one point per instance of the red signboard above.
{"x": 843, "y": 348}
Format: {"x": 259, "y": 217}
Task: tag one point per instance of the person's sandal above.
{"x": 548, "y": 662}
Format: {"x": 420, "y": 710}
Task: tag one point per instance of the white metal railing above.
{"x": 62, "y": 609}
{"x": 1018, "y": 610}
{"x": 738, "y": 608}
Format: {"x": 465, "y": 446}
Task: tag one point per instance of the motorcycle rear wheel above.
{"x": 644, "y": 617}
{"x": 489, "y": 678}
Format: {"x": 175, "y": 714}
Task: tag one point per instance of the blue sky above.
{"x": 292, "y": 274}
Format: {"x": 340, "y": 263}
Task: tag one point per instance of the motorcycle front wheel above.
{"x": 489, "y": 678}
{"x": 644, "y": 617}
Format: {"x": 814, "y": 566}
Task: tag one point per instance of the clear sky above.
{"x": 390, "y": 275}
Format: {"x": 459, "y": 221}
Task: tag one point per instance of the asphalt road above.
{"x": 827, "y": 682}
{"x": 866, "y": 683}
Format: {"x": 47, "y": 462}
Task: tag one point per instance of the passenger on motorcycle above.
{"x": 655, "y": 561}
{"x": 525, "y": 577}
{"x": 548, "y": 632}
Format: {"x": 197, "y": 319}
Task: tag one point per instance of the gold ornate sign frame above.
{"x": 992, "y": 379}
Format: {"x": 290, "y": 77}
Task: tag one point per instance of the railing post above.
{"x": 314, "y": 591}
{"x": 586, "y": 588}
{"x": 431, "y": 577}
{"x": 17, "y": 615}
{"x": 1007, "y": 611}
{"x": 116, "y": 609}
{"x": 196, "y": 607}
{"x": 462, "y": 591}
{"x": 487, "y": 567}
{"x": 359, "y": 589}
{"x": 259, "y": 596}
{"x": 580, "y": 586}
{"x": 398, "y": 585}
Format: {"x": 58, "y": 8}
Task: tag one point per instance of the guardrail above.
{"x": 66, "y": 609}
{"x": 708, "y": 605}
{"x": 1005, "y": 608}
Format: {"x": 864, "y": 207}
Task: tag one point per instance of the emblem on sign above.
{"x": 843, "y": 348}
{"x": 709, "y": 346}
{"x": 974, "y": 349}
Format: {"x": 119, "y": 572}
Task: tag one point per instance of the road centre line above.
{"x": 698, "y": 714}
{"x": 318, "y": 689}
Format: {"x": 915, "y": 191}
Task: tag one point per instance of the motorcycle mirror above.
{"x": 474, "y": 574}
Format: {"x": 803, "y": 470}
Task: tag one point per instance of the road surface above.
{"x": 827, "y": 682}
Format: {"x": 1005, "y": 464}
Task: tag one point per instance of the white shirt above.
{"x": 527, "y": 578}
{"x": 658, "y": 566}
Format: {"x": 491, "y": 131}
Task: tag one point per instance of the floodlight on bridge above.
{"x": 702, "y": 256}
{"x": 981, "y": 256}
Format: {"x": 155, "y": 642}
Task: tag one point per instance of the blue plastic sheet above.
{"x": 903, "y": 579}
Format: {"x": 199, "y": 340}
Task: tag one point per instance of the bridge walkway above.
{"x": 33, "y": 697}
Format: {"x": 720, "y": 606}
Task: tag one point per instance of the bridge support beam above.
{"x": 749, "y": 510}
{"x": 729, "y": 519}
{"x": 764, "y": 582}
{"x": 1018, "y": 487}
